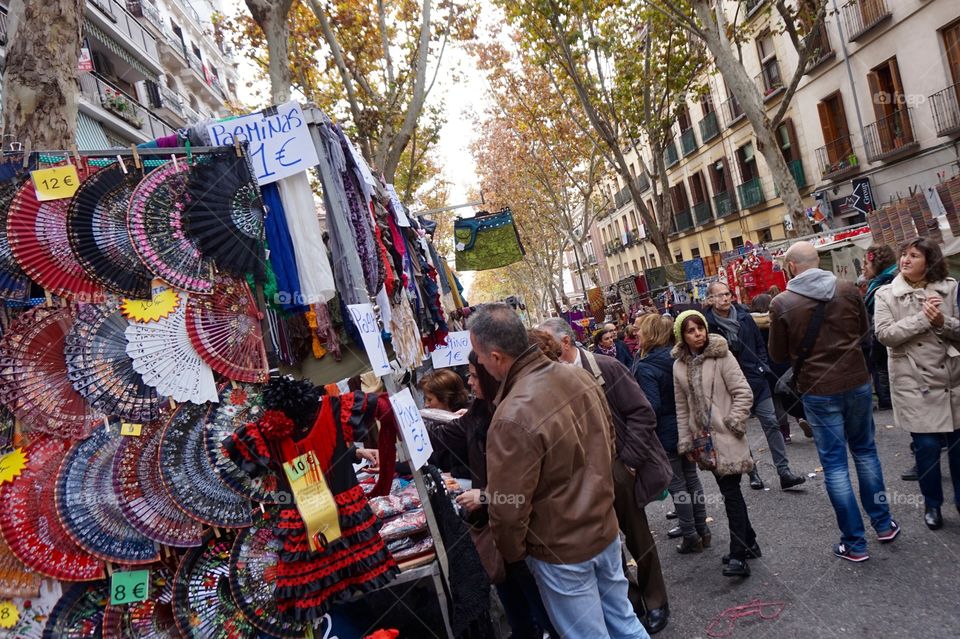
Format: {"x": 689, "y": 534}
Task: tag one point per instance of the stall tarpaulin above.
{"x": 656, "y": 278}
{"x": 675, "y": 273}
{"x": 693, "y": 269}
{"x": 629, "y": 295}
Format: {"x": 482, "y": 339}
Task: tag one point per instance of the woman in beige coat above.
{"x": 713, "y": 395}
{"x": 916, "y": 319}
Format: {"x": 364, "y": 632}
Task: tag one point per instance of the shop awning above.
{"x": 96, "y": 32}
{"x": 90, "y": 135}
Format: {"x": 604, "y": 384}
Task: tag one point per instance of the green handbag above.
{"x": 489, "y": 240}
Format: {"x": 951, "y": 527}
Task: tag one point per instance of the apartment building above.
{"x": 877, "y": 111}
{"x": 153, "y": 67}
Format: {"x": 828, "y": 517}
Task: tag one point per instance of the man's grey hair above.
{"x": 713, "y": 286}
{"x": 559, "y": 328}
{"x": 498, "y": 327}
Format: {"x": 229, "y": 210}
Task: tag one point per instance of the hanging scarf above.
{"x": 282, "y": 255}
{"x": 313, "y": 268}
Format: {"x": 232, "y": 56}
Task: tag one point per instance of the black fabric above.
{"x": 751, "y": 353}
{"x": 742, "y": 535}
{"x": 469, "y": 586}
{"x": 654, "y": 373}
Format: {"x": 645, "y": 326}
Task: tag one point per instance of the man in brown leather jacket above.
{"x": 550, "y": 486}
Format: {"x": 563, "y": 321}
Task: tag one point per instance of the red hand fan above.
{"x": 225, "y": 330}
{"x": 34, "y": 383}
{"x": 37, "y": 232}
{"x": 16, "y": 580}
{"x": 29, "y": 520}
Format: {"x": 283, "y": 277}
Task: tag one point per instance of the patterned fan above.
{"x": 79, "y": 613}
{"x": 253, "y": 572}
{"x": 150, "y": 619}
{"x": 97, "y": 231}
{"x": 34, "y": 611}
{"x": 88, "y": 507}
{"x": 225, "y": 330}
{"x": 202, "y": 604}
{"x": 100, "y": 369}
{"x": 165, "y": 358}
{"x": 238, "y": 406}
{"x": 29, "y": 521}
{"x": 16, "y": 580}
{"x": 155, "y": 222}
{"x": 224, "y": 214}
{"x": 37, "y": 233}
{"x": 34, "y": 383}
{"x": 191, "y": 479}
{"x": 143, "y": 499}
{"x": 15, "y": 284}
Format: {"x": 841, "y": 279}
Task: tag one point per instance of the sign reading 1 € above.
{"x": 280, "y": 143}
{"x": 455, "y": 353}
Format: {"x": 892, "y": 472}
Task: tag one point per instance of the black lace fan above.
{"x": 225, "y": 214}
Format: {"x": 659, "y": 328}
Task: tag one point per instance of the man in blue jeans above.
{"x": 549, "y": 481}
{"x": 836, "y": 388}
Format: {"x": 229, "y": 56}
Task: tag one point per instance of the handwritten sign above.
{"x": 56, "y": 183}
{"x": 412, "y": 428}
{"x": 455, "y": 353}
{"x": 131, "y": 430}
{"x": 402, "y": 219}
{"x": 129, "y": 586}
{"x": 9, "y": 615}
{"x": 280, "y": 143}
{"x": 366, "y": 322}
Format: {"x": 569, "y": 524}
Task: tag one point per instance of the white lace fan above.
{"x": 166, "y": 359}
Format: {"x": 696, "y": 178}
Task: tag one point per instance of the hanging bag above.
{"x": 704, "y": 453}
{"x": 487, "y": 241}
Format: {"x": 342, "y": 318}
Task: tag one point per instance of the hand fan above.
{"x": 16, "y": 580}
{"x": 165, "y": 358}
{"x": 156, "y": 225}
{"x": 100, "y": 369}
{"x": 191, "y": 479}
{"x": 15, "y": 282}
{"x": 225, "y": 330}
{"x": 34, "y": 382}
{"x": 89, "y": 508}
{"x": 143, "y": 499}
{"x": 239, "y": 405}
{"x": 29, "y": 521}
{"x": 79, "y": 613}
{"x": 202, "y": 604}
{"x": 34, "y": 611}
{"x": 37, "y": 233}
{"x": 224, "y": 214}
{"x": 150, "y": 619}
{"x": 97, "y": 231}
{"x": 253, "y": 574}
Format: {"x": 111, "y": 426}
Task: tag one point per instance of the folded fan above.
{"x": 16, "y": 283}
{"x": 79, "y": 613}
{"x": 165, "y": 358}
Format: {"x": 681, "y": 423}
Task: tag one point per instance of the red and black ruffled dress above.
{"x": 309, "y": 582}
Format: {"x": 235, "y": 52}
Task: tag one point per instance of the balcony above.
{"x": 732, "y": 111}
{"x": 102, "y": 94}
{"x": 946, "y": 111}
{"x": 688, "y": 141}
{"x": 837, "y": 160}
{"x": 702, "y": 213}
{"x": 670, "y": 157}
{"x": 171, "y": 101}
{"x": 752, "y": 6}
{"x": 643, "y": 182}
{"x": 724, "y": 204}
{"x": 682, "y": 221}
{"x": 862, "y": 16}
{"x": 750, "y": 193}
{"x": 796, "y": 168}
{"x": 622, "y": 197}
{"x": 709, "y": 128}
{"x": 820, "y": 49}
{"x": 769, "y": 81}
{"x": 130, "y": 29}
{"x": 146, "y": 10}
{"x": 891, "y": 137}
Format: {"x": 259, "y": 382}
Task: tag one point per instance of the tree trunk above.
{"x": 745, "y": 91}
{"x": 40, "y": 88}
{"x": 271, "y": 17}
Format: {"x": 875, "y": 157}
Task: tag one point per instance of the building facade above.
{"x": 877, "y": 111}
{"x": 149, "y": 67}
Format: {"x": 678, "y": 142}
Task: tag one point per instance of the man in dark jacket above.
{"x": 549, "y": 456}
{"x": 734, "y": 323}
{"x": 835, "y": 385}
{"x": 641, "y": 470}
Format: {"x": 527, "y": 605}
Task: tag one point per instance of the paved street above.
{"x": 910, "y": 588}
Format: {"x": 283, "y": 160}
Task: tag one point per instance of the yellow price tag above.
{"x": 9, "y": 615}
{"x": 314, "y": 500}
{"x": 56, "y": 183}
{"x": 11, "y": 465}
{"x": 131, "y": 430}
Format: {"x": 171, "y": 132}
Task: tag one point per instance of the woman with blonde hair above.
{"x": 654, "y": 372}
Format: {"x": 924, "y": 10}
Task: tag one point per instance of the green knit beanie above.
{"x": 678, "y": 324}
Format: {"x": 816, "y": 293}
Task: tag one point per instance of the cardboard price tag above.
{"x": 130, "y": 430}
{"x": 129, "y": 586}
{"x": 455, "y": 353}
{"x": 9, "y": 615}
{"x": 56, "y": 183}
{"x": 412, "y": 428}
{"x": 366, "y": 322}
{"x": 313, "y": 499}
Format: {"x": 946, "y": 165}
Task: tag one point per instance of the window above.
{"x": 635, "y": 269}
{"x": 787, "y": 139}
{"x": 720, "y": 177}
{"x": 833, "y": 124}
{"x": 196, "y": 51}
{"x": 694, "y": 253}
{"x": 951, "y": 43}
{"x": 765, "y": 236}
{"x": 633, "y": 171}
{"x": 747, "y": 163}
{"x": 820, "y": 50}
{"x": 613, "y": 274}
{"x": 643, "y": 263}
{"x": 683, "y": 118}
{"x": 714, "y": 247}
{"x": 706, "y": 104}
{"x": 653, "y": 260}
{"x": 698, "y": 188}
{"x": 678, "y": 257}
{"x": 737, "y": 241}
{"x": 770, "y": 74}
{"x": 890, "y": 106}
{"x": 678, "y": 197}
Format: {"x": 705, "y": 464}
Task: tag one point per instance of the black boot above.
{"x": 736, "y": 568}
{"x": 755, "y": 482}
{"x": 933, "y": 519}
{"x": 910, "y": 474}
{"x": 690, "y": 544}
{"x": 789, "y": 480}
{"x": 657, "y": 619}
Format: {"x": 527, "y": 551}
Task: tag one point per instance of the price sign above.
{"x": 366, "y": 322}
{"x": 130, "y": 430}
{"x": 455, "y": 353}
{"x": 300, "y": 465}
{"x": 412, "y": 428}
{"x": 402, "y": 219}
{"x": 129, "y": 586}
{"x": 9, "y": 615}
{"x": 56, "y": 183}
